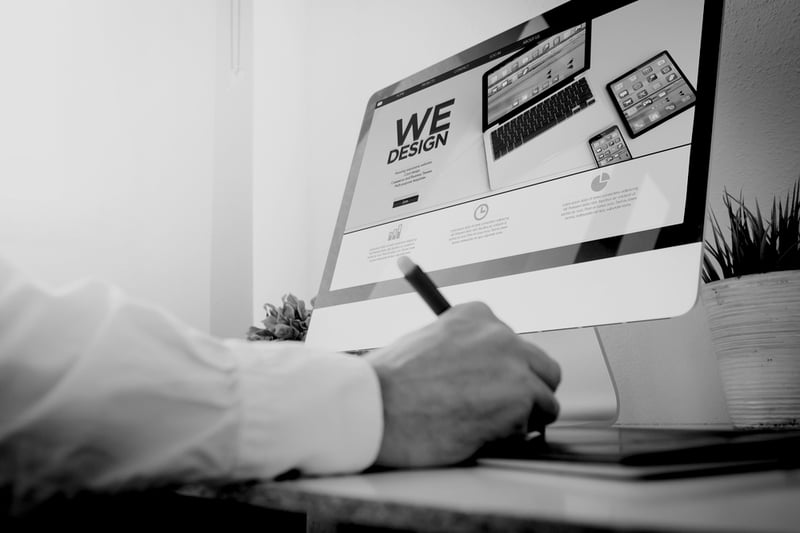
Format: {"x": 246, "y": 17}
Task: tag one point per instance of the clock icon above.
{"x": 481, "y": 211}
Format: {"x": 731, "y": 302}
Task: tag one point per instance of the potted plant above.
{"x": 289, "y": 322}
{"x": 752, "y": 296}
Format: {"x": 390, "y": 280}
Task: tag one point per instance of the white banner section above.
{"x": 644, "y": 193}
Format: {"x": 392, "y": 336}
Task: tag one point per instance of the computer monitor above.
{"x": 589, "y": 209}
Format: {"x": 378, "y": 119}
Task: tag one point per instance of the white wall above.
{"x": 281, "y": 121}
{"x": 107, "y": 144}
{"x": 126, "y": 149}
{"x": 757, "y": 119}
{"x": 231, "y": 296}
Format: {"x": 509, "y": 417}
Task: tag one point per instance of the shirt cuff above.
{"x": 316, "y": 412}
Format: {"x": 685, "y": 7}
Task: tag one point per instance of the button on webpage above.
{"x": 405, "y": 201}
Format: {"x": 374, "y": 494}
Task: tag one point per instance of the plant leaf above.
{"x": 757, "y": 244}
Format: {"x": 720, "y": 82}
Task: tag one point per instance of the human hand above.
{"x": 461, "y": 382}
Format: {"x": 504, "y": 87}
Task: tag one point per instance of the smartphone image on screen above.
{"x": 609, "y": 147}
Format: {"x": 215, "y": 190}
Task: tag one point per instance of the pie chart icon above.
{"x": 600, "y": 181}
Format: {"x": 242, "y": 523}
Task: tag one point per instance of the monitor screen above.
{"x": 557, "y": 171}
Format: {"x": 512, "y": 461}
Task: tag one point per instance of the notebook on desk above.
{"x": 646, "y": 453}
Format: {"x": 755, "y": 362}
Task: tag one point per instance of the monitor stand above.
{"x": 665, "y": 373}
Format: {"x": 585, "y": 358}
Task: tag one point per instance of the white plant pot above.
{"x": 755, "y": 328}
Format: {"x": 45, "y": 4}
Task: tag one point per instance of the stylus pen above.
{"x": 423, "y": 285}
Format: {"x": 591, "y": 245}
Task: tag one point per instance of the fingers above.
{"x": 545, "y": 373}
{"x": 546, "y": 376}
{"x": 543, "y": 366}
{"x": 545, "y": 408}
{"x": 538, "y": 361}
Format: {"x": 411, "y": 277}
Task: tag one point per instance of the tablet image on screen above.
{"x": 651, "y": 93}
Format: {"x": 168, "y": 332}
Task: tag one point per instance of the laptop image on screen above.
{"x": 529, "y": 93}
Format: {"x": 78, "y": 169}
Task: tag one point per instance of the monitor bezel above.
{"x": 513, "y": 39}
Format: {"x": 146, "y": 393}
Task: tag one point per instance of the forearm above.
{"x": 98, "y": 391}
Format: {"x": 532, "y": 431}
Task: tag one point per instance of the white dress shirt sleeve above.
{"x": 98, "y": 391}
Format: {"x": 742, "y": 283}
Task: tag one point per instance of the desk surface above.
{"x": 497, "y": 499}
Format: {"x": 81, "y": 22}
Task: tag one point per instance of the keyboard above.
{"x": 541, "y": 117}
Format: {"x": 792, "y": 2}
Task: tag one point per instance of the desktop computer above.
{"x": 558, "y": 173}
